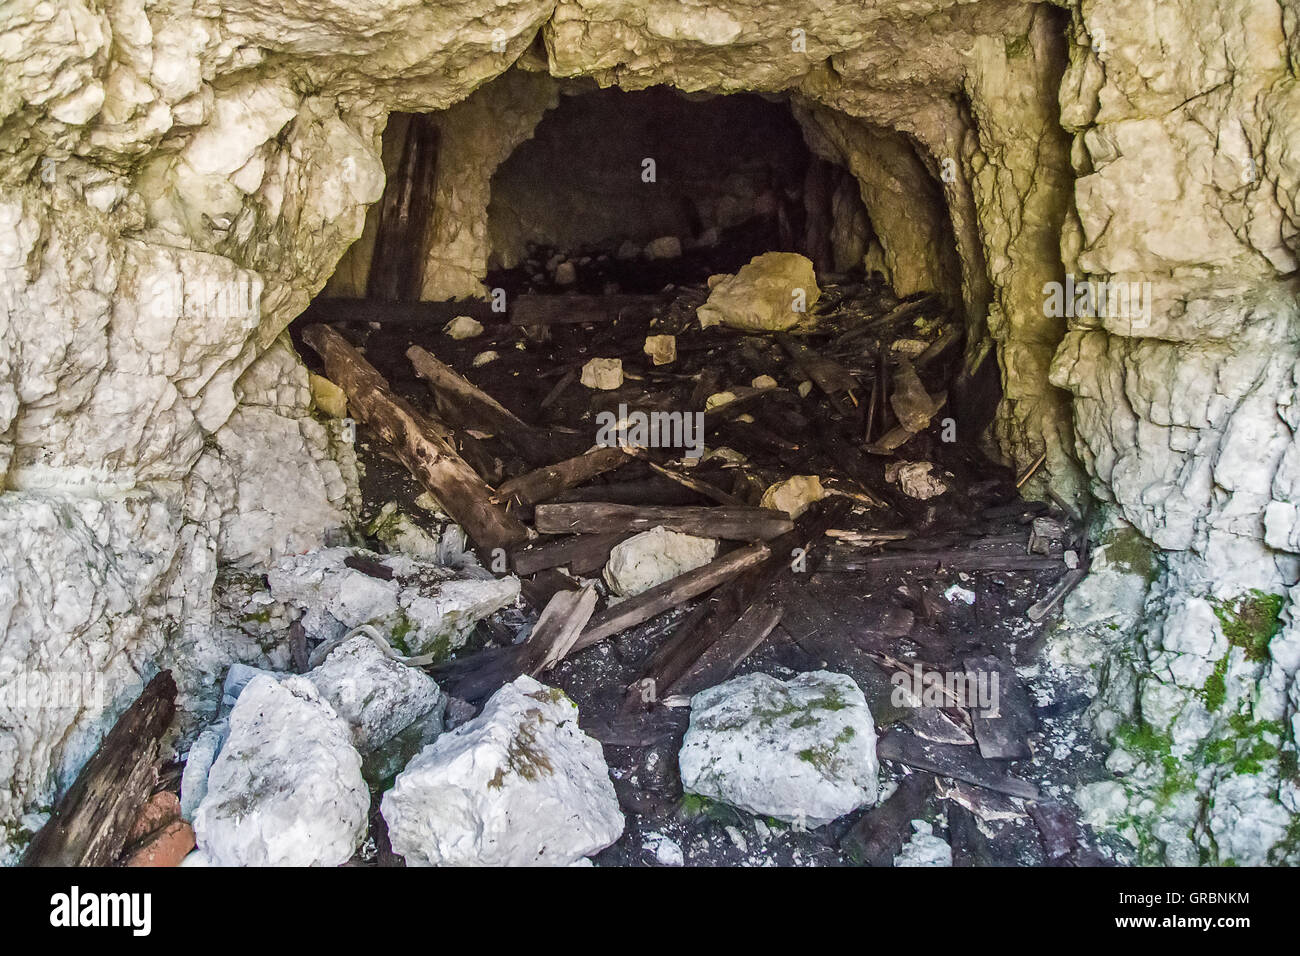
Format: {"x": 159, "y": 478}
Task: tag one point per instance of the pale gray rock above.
{"x": 653, "y": 557}
{"x": 286, "y": 788}
{"x": 802, "y": 751}
{"x": 519, "y": 785}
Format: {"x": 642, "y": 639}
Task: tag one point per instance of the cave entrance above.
{"x": 688, "y": 405}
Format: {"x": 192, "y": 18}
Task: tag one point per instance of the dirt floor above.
{"x": 896, "y": 581}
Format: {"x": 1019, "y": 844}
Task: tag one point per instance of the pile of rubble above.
{"x": 753, "y": 476}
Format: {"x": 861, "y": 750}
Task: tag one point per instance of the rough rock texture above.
{"x": 376, "y": 695}
{"x": 653, "y": 557}
{"x": 802, "y": 751}
{"x": 772, "y": 292}
{"x": 520, "y": 785}
{"x": 176, "y": 183}
{"x": 286, "y": 789}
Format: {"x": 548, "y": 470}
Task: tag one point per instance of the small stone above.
{"x": 463, "y": 327}
{"x": 605, "y": 374}
{"x": 566, "y": 273}
{"x": 915, "y": 480}
{"x": 483, "y": 358}
{"x": 718, "y": 399}
{"x": 327, "y": 396}
{"x": 662, "y": 349}
{"x": 159, "y": 810}
{"x": 772, "y": 293}
{"x": 795, "y": 495}
{"x": 924, "y": 848}
{"x": 665, "y": 247}
{"x": 763, "y": 381}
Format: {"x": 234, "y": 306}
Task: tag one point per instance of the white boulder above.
{"x": 286, "y": 789}
{"x": 520, "y": 785}
{"x": 376, "y": 695}
{"x": 802, "y": 751}
{"x": 604, "y": 374}
{"x": 653, "y": 557}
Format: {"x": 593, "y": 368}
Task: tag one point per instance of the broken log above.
{"x": 947, "y": 760}
{"x": 846, "y": 560}
{"x": 733, "y": 524}
{"x": 397, "y": 265}
{"x": 580, "y": 553}
{"x": 571, "y": 309}
{"x": 90, "y": 824}
{"x": 1001, "y": 730}
{"x": 424, "y": 445}
{"x": 670, "y": 594}
{"x": 547, "y": 482}
{"x": 327, "y": 310}
{"x": 726, "y": 653}
{"x": 557, "y": 628}
{"x": 879, "y": 834}
{"x": 478, "y": 409}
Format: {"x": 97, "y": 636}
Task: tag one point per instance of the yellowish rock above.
{"x": 795, "y": 495}
{"x": 327, "y": 396}
{"x": 662, "y": 349}
{"x": 463, "y": 327}
{"x": 764, "y": 381}
{"x": 772, "y": 293}
{"x": 605, "y": 374}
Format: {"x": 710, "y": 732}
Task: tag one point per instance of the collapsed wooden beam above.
{"x": 326, "y": 310}
{"x": 670, "y": 594}
{"x": 595, "y": 517}
{"x": 580, "y": 553}
{"x": 423, "y": 444}
{"x": 90, "y": 824}
{"x": 548, "y": 481}
{"x": 571, "y": 309}
{"x": 475, "y": 407}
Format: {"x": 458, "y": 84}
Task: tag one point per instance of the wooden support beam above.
{"x": 580, "y": 553}
{"x": 670, "y": 594}
{"x": 327, "y": 310}
{"x": 423, "y": 444}
{"x": 735, "y": 524}
{"x": 90, "y": 824}
{"x": 571, "y": 309}
{"x": 545, "y": 483}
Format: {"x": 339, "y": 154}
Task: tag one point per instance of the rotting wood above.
{"x": 725, "y": 654}
{"x": 548, "y": 481}
{"x": 424, "y": 445}
{"x": 879, "y": 834}
{"x": 1002, "y": 729}
{"x": 960, "y": 763}
{"x": 558, "y": 627}
{"x": 90, "y": 824}
{"x": 397, "y": 266}
{"x": 328, "y": 310}
{"x": 571, "y": 309}
{"x": 580, "y": 553}
{"x": 670, "y": 594}
{"x": 479, "y": 409}
{"x": 845, "y": 560}
{"x": 735, "y": 524}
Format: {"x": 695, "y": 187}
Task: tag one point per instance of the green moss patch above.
{"x": 1251, "y": 621}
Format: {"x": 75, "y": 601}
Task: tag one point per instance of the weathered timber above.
{"x": 424, "y": 445}
{"x": 1002, "y": 730}
{"x": 571, "y": 309}
{"x": 558, "y": 628}
{"x": 548, "y": 481}
{"x": 90, "y": 824}
{"x": 960, "y": 763}
{"x": 326, "y": 311}
{"x": 725, "y": 654}
{"x": 580, "y": 553}
{"x": 735, "y": 524}
{"x": 670, "y": 594}
{"x": 845, "y": 560}
{"x": 397, "y": 266}
{"x": 475, "y": 407}
{"x": 879, "y": 835}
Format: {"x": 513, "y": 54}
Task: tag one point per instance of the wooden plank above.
{"x": 397, "y": 266}
{"x": 580, "y": 553}
{"x": 571, "y": 309}
{"x": 735, "y": 524}
{"x": 844, "y": 560}
{"x": 548, "y": 481}
{"x": 947, "y": 760}
{"x": 558, "y": 627}
{"x": 724, "y": 655}
{"x": 477, "y": 408}
{"x": 1002, "y": 730}
{"x": 670, "y": 594}
{"x": 879, "y": 835}
{"x": 326, "y": 311}
{"x": 424, "y": 445}
{"x": 90, "y": 824}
